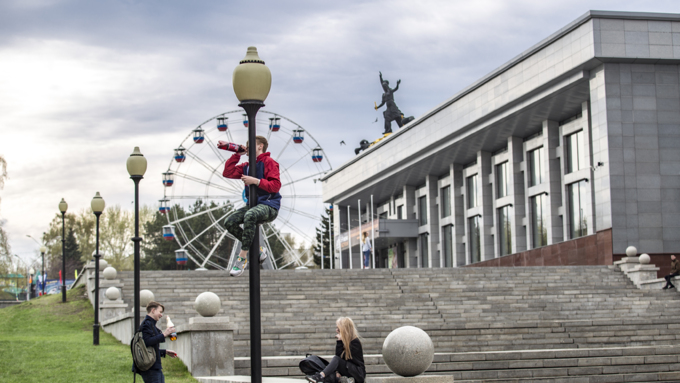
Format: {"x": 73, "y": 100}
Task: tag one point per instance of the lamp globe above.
{"x": 136, "y": 163}
{"x": 252, "y": 80}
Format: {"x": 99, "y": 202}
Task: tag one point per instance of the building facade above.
{"x": 576, "y": 136}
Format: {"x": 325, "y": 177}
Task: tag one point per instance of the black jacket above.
{"x": 152, "y": 337}
{"x": 355, "y": 366}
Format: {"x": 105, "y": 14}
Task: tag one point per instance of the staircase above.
{"x": 584, "y": 322}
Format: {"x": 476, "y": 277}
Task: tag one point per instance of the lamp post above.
{"x": 97, "y": 205}
{"x": 63, "y": 206}
{"x": 252, "y": 81}
{"x": 43, "y": 249}
{"x": 136, "y": 167}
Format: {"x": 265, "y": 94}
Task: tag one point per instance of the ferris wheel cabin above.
{"x": 199, "y": 135}
{"x": 245, "y": 120}
{"x": 317, "y": 155}
{"x": 274, "y": 124}
{"x": 179, "y": 154}
{"x": 181, "y": 256}
{"x": 169, "y": 233}
{"x": 222, "y": 123}
{"x": 163, "y": 208}
{"x": 168, "y": 179}
{"x": 298, "y": 136}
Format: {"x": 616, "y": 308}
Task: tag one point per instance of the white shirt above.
{"x": 367, "y": 245}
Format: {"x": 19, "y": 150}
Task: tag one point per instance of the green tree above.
{"x": 323, "y": 234}
{"x": 73, "y": 255}
{"x": 5, "y": 250}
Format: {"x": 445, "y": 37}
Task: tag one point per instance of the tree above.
{"x": 73, "y": 255}
{"x": 323, "y": 233}
{"x": 116, "y": 228}
{"x": 5, "y": 250}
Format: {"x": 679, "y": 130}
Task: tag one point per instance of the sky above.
{"x": 84, "y": 82}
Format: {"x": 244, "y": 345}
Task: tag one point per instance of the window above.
{"x": 423, "y": 251}
{"x": 400, "y": 212}
{"x": 575, "y": 152}
{"x": 536, "y": 176}
{"x": 579, "y": 206}
{"x": 505, "y": 230}
{"x": 446, "y": 201}
{"x": 448, "y": 246}
{"x": 472, "y": 198}
{"x": 475, "y": 245}
{"x": 502, "y": 180}
{"x": 539, "y": 228}
{"x": 422, "y": 210}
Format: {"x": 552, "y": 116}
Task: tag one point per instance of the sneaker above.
{"x": 263, "y": 254}
{"x": 344, "y": 379}
{"x": 239, "y": 266}
{"x": 316, "y": 378}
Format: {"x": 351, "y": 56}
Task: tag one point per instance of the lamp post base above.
{"x": 95, "y": 334}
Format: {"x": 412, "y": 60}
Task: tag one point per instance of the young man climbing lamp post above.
{"x": 268, "y": 183}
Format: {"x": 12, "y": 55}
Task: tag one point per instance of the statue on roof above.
{"x": 392, "y": 112}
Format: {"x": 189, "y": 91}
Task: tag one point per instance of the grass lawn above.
{"x": 44, "y": 340}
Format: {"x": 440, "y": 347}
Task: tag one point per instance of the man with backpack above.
{"x": 152, "y": 336}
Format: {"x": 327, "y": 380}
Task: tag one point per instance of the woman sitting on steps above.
{"x": 347, "y": 366}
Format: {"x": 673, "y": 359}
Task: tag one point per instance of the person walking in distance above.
{"x": 268, "y": 184}
{"x": 366, "y": 249}
{"x": 152, "y": 337}
{"x": 675, "y": 271}
{"x": 347, "y": 366}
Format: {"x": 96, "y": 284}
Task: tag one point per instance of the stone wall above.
{"x": 590, "y": 250}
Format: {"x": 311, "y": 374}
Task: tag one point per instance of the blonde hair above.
{"x": 348, "y": 332}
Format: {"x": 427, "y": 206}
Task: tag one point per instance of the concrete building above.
{"x": 567, "y": 154}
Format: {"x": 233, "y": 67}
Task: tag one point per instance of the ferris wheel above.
{"x": 194, "y": 178}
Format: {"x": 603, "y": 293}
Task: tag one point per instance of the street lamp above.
{"x": 136, "y": 167}
{"x": 97, "y": 205}
{"x": 43, "y": 250}
{"x": 63, "y": 206}
{"x": 252, "y": 81}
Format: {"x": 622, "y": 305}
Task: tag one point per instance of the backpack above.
{"x": 312, "y": 364}
{"x": 144, "y": 357}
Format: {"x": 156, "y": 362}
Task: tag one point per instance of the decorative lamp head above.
{"x": 136, "y": 163}
{"x": 252, "y": 80}
{"x": 97, "y": 204}
{"x": 63, "y": 206}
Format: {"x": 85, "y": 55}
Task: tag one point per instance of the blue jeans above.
{"x": 152, "y": 376}
{"x": 367, "y": 257}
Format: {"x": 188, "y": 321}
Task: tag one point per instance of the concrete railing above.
{"x": 206, "y": 346}
{"x": 121, "y": 327}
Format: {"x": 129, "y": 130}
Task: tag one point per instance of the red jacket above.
{"x": 271, "y": 183}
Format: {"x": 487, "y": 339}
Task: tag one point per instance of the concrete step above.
{"x": 588, "y": 364}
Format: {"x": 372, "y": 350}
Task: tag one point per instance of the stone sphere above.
{"x": 207, "y": 304}
{"x": 112, "y": 293}
{"x": 631, "y": 251}
{"x": 109, "y": 273}
{"x": 408, "y": 351}
{"x": 145, "y": 296}
{"x": 102, "y": 264}
{"x": 644, "y": 259}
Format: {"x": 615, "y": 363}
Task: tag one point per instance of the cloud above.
{"x": 83, "y": 82}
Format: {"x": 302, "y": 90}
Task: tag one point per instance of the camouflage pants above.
{"x": 250, "y": 218}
